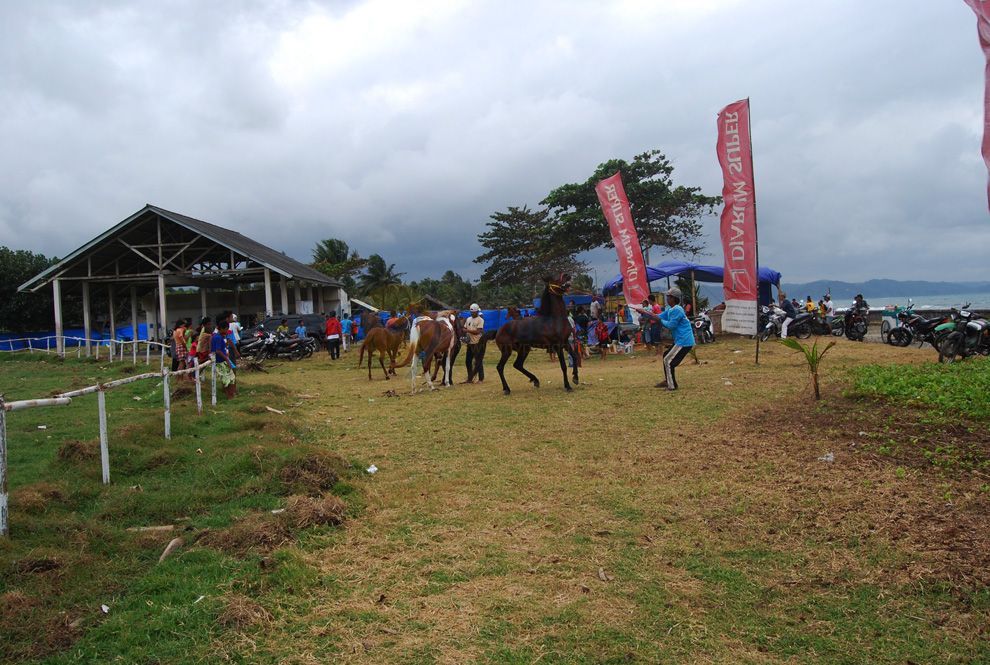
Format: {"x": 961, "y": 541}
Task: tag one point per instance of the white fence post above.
{"x": 4, "y": 527}
{"x": 101, "y": 401}
{"x": 147, "y": 353}
{"x": 213, "y": 379}
{"x": 97, "y": 351}
{"x": 162, "y": 358}
{"x": 168, "y": 406}
{"x": 199, "y": 388}
{"x": 30, "y": 346}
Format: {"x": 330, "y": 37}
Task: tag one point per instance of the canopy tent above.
{"x": 768, "y": 276}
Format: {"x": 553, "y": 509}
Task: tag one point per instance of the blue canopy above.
{"x": 702, "y": 273}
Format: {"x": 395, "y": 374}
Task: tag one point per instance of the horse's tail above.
{"x": 413, "y": 344}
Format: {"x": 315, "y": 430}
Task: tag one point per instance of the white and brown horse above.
{"x": 438, "y": 340}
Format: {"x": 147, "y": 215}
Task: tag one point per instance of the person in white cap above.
{"x": 474, "y": 327}
{"x": 235, "y": 328}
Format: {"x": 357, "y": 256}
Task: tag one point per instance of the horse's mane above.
{"x": 547, "y": 302}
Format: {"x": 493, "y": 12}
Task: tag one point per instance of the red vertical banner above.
{"x": 615, "y": 205}
{"x": 738, "y": 227}
{"x": 982, "y": 10}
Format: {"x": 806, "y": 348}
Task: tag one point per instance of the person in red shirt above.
{"x": 601, "y": 332}
{"x": 333, "y": 336}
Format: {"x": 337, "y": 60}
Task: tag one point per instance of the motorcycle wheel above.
{"x": 899, "y": 337}
{"x": 802, "y": 331}
{"x": 885, "y": 329}
{"x": 765, "y": 334}
{"x": 949, "y": 349}
{"x": 838, "y": 329}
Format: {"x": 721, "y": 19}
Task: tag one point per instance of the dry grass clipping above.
{"x": 258, "y": 531}
{"x": 36, "y": 498}
{"x": 302, "y": 512}
{"x": 243, "y": 612}
{"x": 313, "y": 474}
{"x": 75, "y": 450}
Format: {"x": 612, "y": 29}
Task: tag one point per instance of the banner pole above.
{"x": 756, "y": 235}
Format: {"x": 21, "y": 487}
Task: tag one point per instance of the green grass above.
{"x": 481, "y": 537}
{"x": 960, "y": 388}
{"x": 216, "y": 468}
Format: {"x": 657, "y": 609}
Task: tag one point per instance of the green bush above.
{"x": 962, "y": 388}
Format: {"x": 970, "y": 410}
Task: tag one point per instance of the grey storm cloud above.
{"x": 400, "y": 126}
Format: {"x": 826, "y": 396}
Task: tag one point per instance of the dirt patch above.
{"x": 35, "y": 565}
{"x": 311, "y": 475}
{"x": 254, "y": 408}
{"x": 12, "y": 602}
{"x": 260, "y": 532}
{"x": 184, "y": 390}
{"x": 37, "y": 498}
{"x": 75, "y": 450}
{"x": 302, "y": 512}
{"x": 895, "y": 475}
{"x": 243, "y": 612}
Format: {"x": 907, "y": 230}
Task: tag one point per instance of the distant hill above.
{"x": 882, "y": 287}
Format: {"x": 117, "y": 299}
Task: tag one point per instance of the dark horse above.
{"x": 549, "y": 330}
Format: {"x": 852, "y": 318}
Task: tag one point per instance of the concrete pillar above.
{"x": 87, "y": 320}
{"x": 284, "y": 289}
{"x": 59, "y": 328}
{"x": 113, "y": 319}
{"x": 268, "y": 292}
{"x": 297, "y": 295}
{"x": 163, "y": 317}
{"x": 134, "y": 312}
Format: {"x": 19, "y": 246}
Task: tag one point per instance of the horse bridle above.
{"x": 556, "y": 289}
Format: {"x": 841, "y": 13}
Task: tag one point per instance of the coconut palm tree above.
{"x": 378, "y": 274}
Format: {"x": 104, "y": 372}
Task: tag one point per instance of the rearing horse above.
{"x": 549, "y": 329}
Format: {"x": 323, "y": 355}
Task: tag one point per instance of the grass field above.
{"x": 617, "y": 523}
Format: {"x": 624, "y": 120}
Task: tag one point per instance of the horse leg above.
{"x": 381, "y": 361}
{"x": 371, "y": 352}
{"x": 506, "y": 352}
{"x": 426, "y": 372}
{"x": 563, "y": 368}
{"x": 574, "y": 362}
{"x": 520, "y": 359}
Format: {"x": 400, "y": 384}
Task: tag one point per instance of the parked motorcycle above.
{"x": 914, "y": 327}
{"x": 772, "y": 321}
{"x": 966, "y": 336}
{"x": 703, "y": 328}
{"x": 856, "y": 324}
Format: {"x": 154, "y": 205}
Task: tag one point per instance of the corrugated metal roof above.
{"x": 250, "y": 249}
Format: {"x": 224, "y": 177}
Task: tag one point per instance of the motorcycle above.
{"x": 856, "y": 324}
{"x": 772, "y": 321}
{"x": 703, "y": 328}
{"x": 914, "y": 327}
{"x": 253, "y": 344}
{"x": 965, "y": 336}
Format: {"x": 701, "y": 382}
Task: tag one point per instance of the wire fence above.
{"x": 101, "y": 389}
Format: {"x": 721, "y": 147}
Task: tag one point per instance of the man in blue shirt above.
{"x": 674, "y": 319}
{"x": 301, "y": 331}
{"x": 345, "y": 326}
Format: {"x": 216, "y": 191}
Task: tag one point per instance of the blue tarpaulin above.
{"x": 768, "y": 276}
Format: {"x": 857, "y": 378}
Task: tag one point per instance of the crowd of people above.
{"x": 219, "y": 337}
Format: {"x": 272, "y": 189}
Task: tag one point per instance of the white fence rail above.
{"x": 114, "y": 347}
{"x": 100, "y": 389}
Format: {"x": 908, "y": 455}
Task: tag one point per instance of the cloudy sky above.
{"x": 399, "y": 126}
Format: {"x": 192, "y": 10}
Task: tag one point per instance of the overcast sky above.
{"x": 400, "y": 126}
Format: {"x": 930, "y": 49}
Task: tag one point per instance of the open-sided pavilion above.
{"x": 153, "y": 258}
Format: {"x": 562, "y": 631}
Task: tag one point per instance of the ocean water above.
{"x": 975, "y": 301}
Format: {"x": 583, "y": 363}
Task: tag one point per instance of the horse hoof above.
{"x": 506, "y": 392}
{"x": 536, "y": 384}
{"x": 387, "y": 377}
{"x": 568, "y": 389}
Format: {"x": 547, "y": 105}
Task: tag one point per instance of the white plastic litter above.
{"x": 42, "y": 426}
{"x": 728, "y": 383}
{"x": 372, "y": 469}
{"x": 105, "y": 609}
{"x": 198, "y": 599}
{"x": 827, "y": 457}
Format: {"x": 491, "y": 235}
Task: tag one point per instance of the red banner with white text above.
{"x": 982, "y": 10}
{"x": 615, "y": 205}
{"x": 738, "y": 228}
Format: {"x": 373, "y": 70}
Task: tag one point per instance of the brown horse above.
{"x": 437, "y": 340}
{"x": 385, "y": 342}
{"x": 549, "y": 329}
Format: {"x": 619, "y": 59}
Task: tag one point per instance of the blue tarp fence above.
{"x": 15, "y": 341}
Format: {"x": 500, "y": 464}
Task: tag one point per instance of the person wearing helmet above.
{"x": 674, "y": 319}
{"x": 474, "y": 328}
